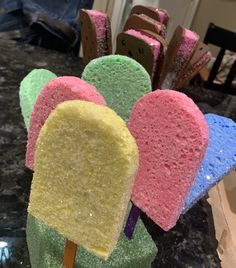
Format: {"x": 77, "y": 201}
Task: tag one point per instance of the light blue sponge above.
{"x": 219, "y": 160}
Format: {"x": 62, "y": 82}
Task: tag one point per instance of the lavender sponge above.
{"x": 219, "y": 160}
{"x": 46, "y": 249}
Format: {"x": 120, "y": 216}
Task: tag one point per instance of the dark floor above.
{"x": 191, "y": 243}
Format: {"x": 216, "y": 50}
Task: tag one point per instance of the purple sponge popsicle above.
{"x": 172, "y": 137}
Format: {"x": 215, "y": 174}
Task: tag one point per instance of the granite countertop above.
{"x": 191, "y": 243}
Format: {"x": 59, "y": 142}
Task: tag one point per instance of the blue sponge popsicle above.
{"x": 219, "y": 160}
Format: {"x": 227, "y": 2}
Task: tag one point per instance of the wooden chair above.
{"x": 226, "y": 40}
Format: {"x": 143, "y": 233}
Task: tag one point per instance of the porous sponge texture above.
{"x": 219, "y": 160}
{"x": 121, "y": 81}
{"x": 30, "y": 88}
{"x": 99, "y": 18}
{"x": 56, "y": 91}
{"x": 85, "y": 164}
{"x": 172, "y": 137}
{"x": 46, "y": 248}
{"x": 102, "y": 26}
{"x": 186, "y": 49}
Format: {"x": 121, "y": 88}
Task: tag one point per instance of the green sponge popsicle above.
{"x": 30, "y": 88}
{"x": 120, "y": 80}
{"x": 46, "y": 249}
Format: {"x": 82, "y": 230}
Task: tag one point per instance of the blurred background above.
{"x": 44, "y": 22}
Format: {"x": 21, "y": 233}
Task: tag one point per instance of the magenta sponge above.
{"x": 172, "y": 137}
{"x": 56, "y": 91}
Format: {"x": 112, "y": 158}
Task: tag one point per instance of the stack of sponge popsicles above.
{"x": 184, "y": 57}
{"x": 59, "y": 90}
{"x": 143, "y": 39}
{"x": 71, "y": 157}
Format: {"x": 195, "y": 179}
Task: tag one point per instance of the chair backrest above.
{"x": 226, "y": 40}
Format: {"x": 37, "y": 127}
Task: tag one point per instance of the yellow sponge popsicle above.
{"x": 85, "y": 163}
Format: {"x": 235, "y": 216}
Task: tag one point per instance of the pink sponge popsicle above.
{"x": 172, "y": 137}
{"x": 102, "y": 25}
{"x": 99, "y": 19}
{"x": 56, "y": 91}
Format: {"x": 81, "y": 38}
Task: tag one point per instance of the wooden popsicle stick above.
{"x": 69, "y": 254}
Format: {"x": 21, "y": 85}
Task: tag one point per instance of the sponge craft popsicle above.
{"x": 56, "y": 91}
{"x": 171, "y": 146}
{"x": 219, "y": 160}
{"x": 86, "y": 159}
{"x": 121, "y": 81}
{"x": 199, "y": 59}
{"x": 178, "y": 54}
{"x": 95, "y": 34}
{"x": 164, "y": 16}
{"x": 30, "y": 88}
{"x": 154, "y": 44}
{"x": 101, "y": 23}
{"x": 143, "y": 22}
{"x": 138, "y": 252}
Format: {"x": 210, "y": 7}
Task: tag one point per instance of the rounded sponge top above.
{"x": 85, "y": 164}
{"x": 172, "y": 137}
{"x": 30, "y": 88}
{"x": 121, "y": 81}
{"x": 56, "y": 91}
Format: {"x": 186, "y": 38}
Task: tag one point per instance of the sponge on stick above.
{"x": 85, "y": 163}
{"x": 56, "y": 91}
{"x": 46, "y": 249}
{"x": 219, "y": 160}
{"x": 30, "y": 88}
{"x": 172, "y": 137}
{"x": 121, "y": 81}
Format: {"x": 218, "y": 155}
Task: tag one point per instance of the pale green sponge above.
{"x": 30, "y": 88}
{"x": 120, "y": 80}
{"x": 46, "y": 248}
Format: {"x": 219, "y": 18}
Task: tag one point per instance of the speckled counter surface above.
{"x": 191, "y": 243}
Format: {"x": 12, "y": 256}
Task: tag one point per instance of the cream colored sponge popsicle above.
{"x": 85, "y": 163}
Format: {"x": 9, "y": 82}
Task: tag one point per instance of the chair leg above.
{"x": 230, "y": 76}
{"x": 215, "y": 68}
